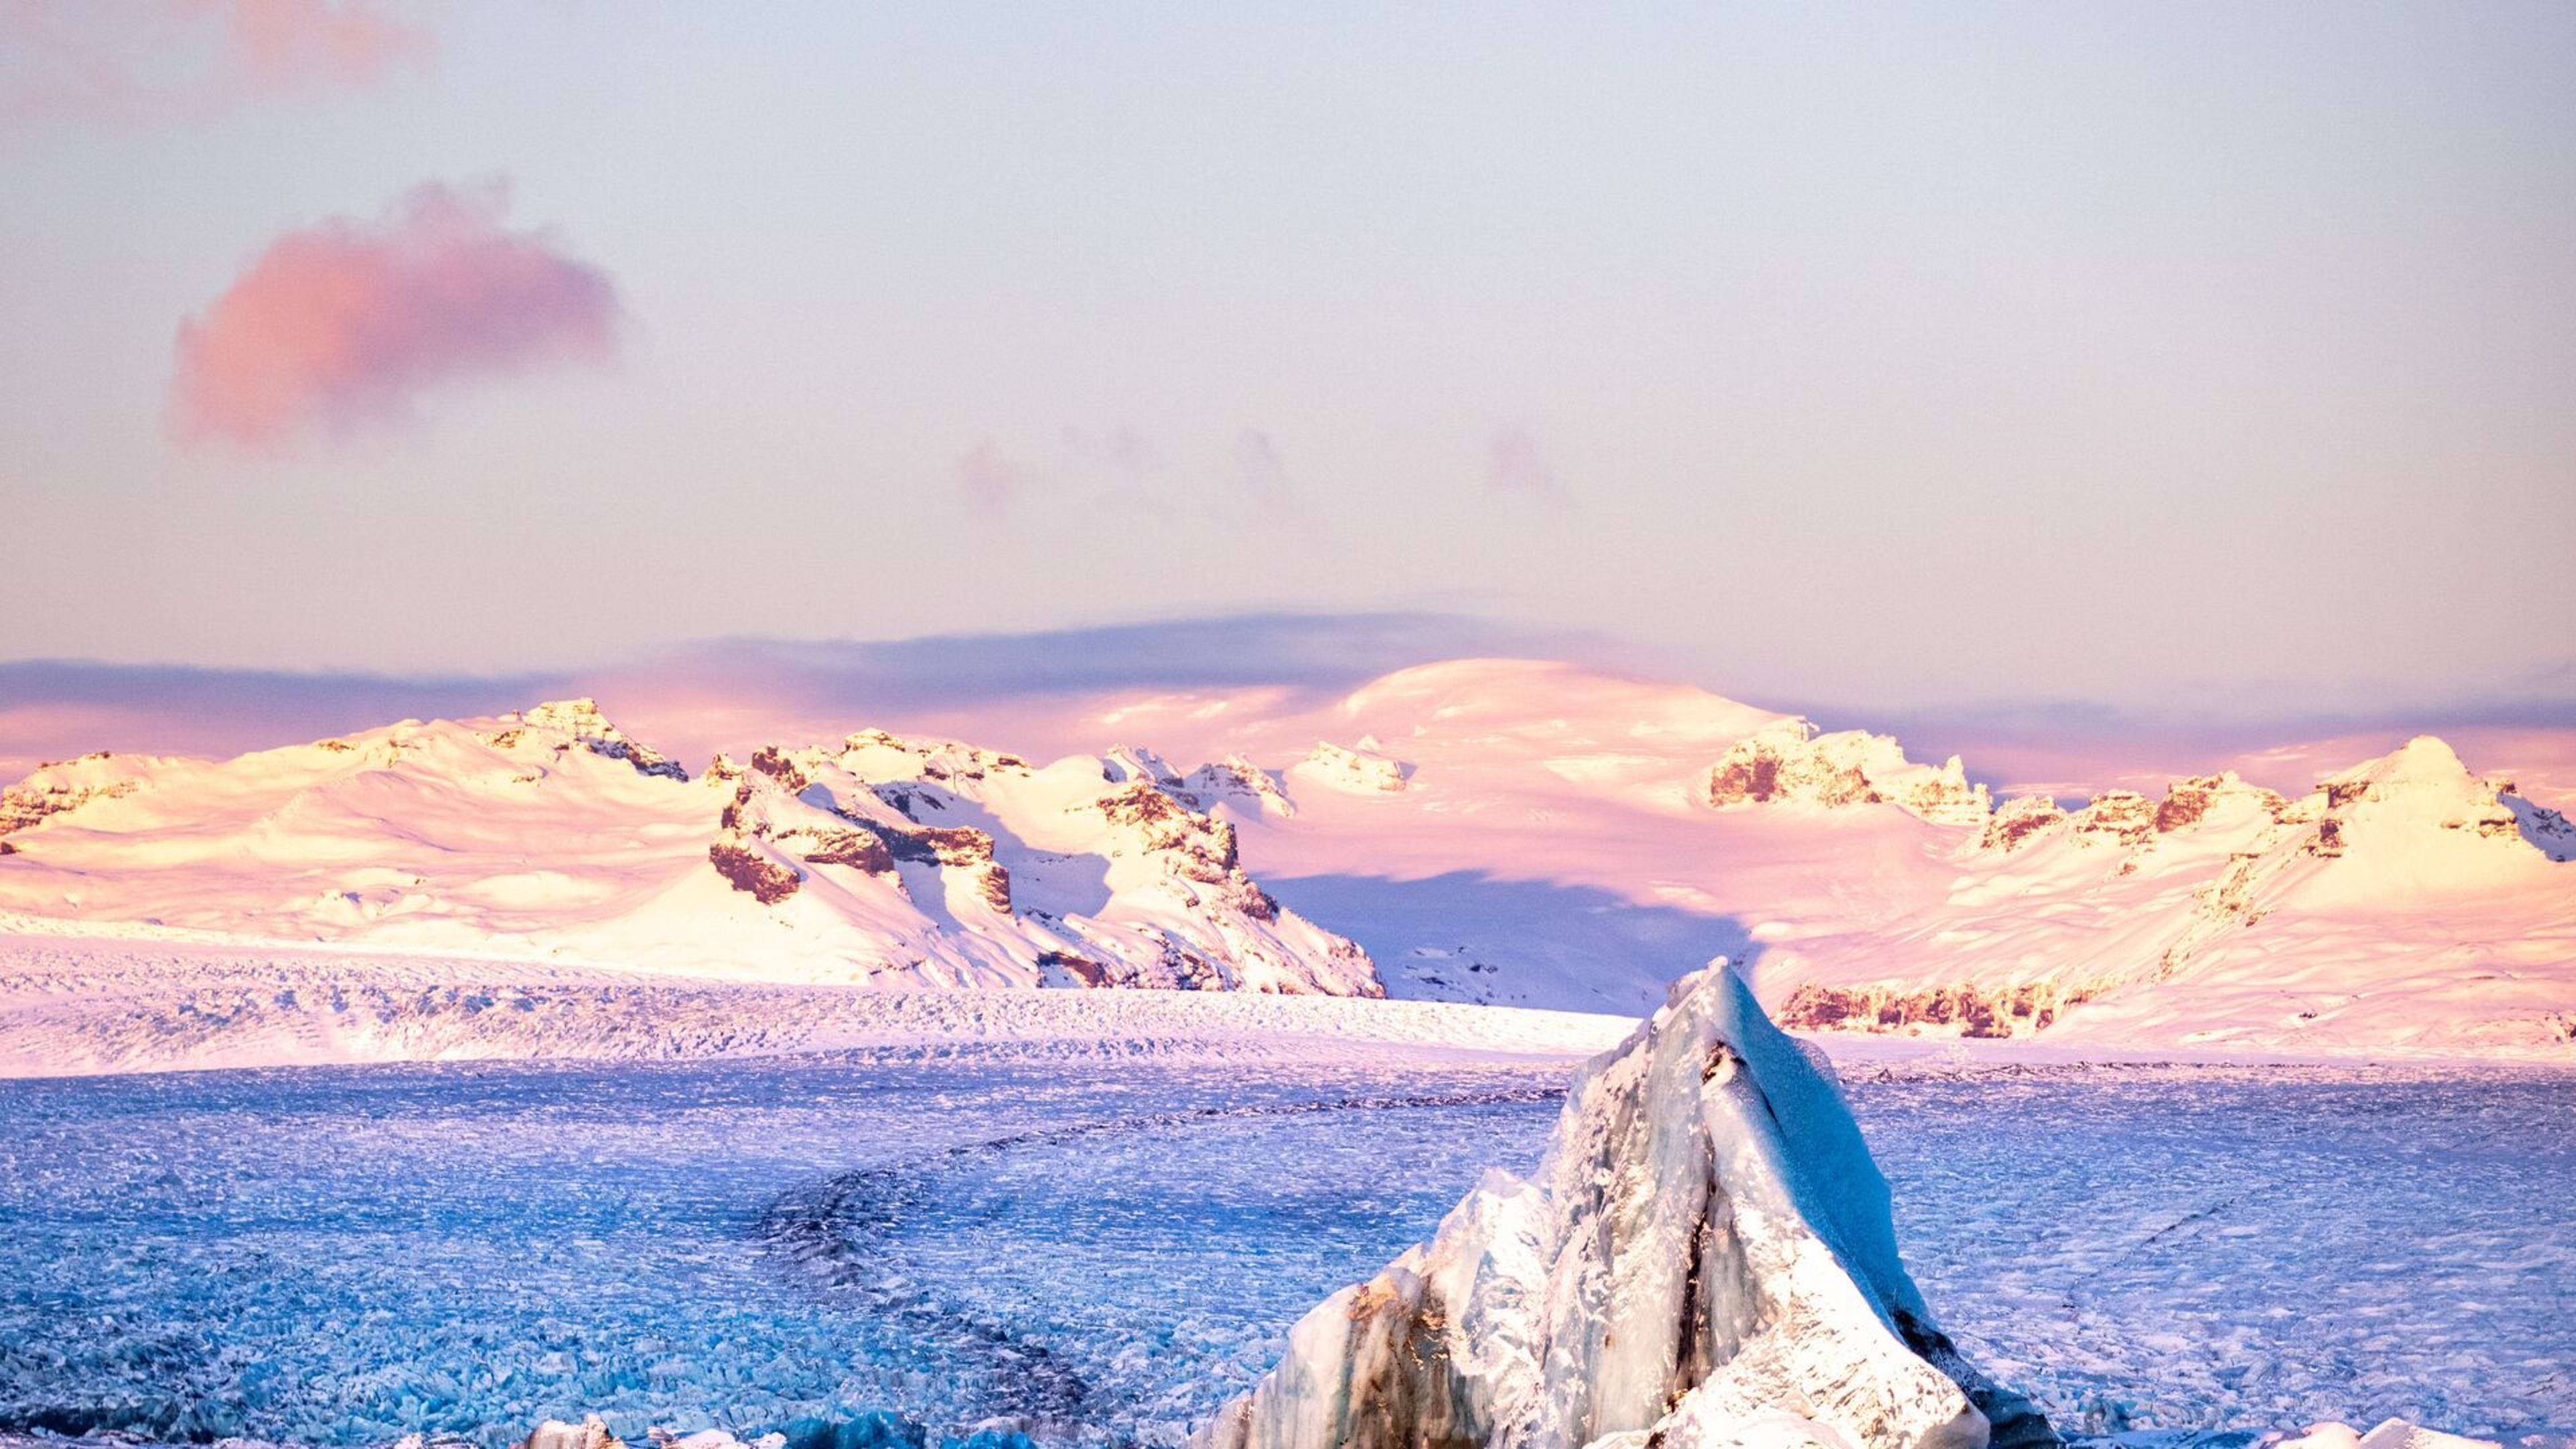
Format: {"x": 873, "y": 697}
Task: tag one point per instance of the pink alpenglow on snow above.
{"x": 338, "y": 327}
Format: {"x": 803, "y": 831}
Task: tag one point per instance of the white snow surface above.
{"x": 1498, "y": 831}
{"x": 78, "y": 1005}
{"x": 1707, "y": 1257}
{"x": 549, "y": 833}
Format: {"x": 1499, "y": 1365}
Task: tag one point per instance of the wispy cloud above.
{"x": 1515, "y": 462}
{"x": 1063, "y": 690}
{"x": 990, "y": 481}
{"x": 338, "y": 327}
{"x": 1259, "y": 467}
{"x": 1021, "y": 690}
{"x": 54, "y": 709}
{"x": 146, "y": 61}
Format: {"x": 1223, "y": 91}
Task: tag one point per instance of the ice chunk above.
{"x": 1706, "y": 1259}
{"x": 2391, "y": 1434}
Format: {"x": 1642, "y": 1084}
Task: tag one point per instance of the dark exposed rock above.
{"x": 765, "y": 880}
{"x": 2116, "y": 817}
{"x": 1975, "y": 1010}
{"x": 581, "y": 719}
{"x": 24, "y": 804}
{"x": 1789, "y": 761}
{"x": 2185, "y": 802}
{"x": 769, "y": 761}
{"x": 1081, "y": 968}
{"x": 2017, "y": 820}
{"x": 857, "y": 848}
{"x": 959, "y": 847}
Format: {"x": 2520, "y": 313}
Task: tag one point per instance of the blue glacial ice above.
{"x": 344, "y": 1256}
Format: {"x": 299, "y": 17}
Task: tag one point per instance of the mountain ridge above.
{"x": 1516, "y": 832}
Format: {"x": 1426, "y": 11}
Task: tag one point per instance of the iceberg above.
{"x": 1706, "y": 1258}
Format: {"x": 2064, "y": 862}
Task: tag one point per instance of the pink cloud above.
{"x": 1515, "y": 463}
{"x": 288, "y": 45}
{"x": 177, "y": 60}
{"x": 989, "y": 481}
{"x": 338, "y": 326}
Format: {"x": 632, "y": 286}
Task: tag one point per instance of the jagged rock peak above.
{"x": 2131, "y": 820}
{"x": 1789, "y": 761}
{"x": 2550, "y": 833}
{"x": 1124, "y": 763}
{"x": 1237, "y": 778}
{"x": 2425, "y": 764}
{"x": 2423, "y": 790}
{"x": 2191, "y": 799}
{"x": 1365, "y": 767}
{"x": 578, "y": 717}
{"x": 1707, "y": 1258}
{"x": 583, "y": 721}
{"x": 2017, "y": 820}
{"x": 877, "y": 755}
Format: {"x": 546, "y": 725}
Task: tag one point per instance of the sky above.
{"x": 2060, "y": 364}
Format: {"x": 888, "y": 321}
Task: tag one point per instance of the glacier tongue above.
{"x": 1707, "y": 1258}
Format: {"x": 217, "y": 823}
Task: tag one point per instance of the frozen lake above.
{"x": 344, "y": 1256}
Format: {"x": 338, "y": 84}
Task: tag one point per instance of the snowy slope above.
{"x": 96, "y": 1000}
{"x": 551, "y": 833}
{"x": 1497, "y": 831}
{"x": 1564, "y": 838}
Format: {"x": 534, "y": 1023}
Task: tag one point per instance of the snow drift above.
{"x": 1707, "y": 1258}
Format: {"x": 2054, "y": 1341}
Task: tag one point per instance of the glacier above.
{"x": 346, "y": 1255}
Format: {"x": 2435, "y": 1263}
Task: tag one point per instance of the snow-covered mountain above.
{"x": 550, "y": 831}
{"x": 1511, "y": 832}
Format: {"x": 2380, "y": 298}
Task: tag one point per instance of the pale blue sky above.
{"x": 1901, "y": 355}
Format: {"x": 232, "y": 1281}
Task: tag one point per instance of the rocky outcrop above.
{"x": 2233, "y": 855}
{"x": 1790, "y": 763}
{"x": 581, "y": 719}
{"x": 747, "y": 870}
{"x": 2122, "y": 818}
{"x": 1181, "y": 911}
{"x": 1706, "y": 1258}
{"x": 2017, "y": 820}
{"x": 1365, "y": 768}
{"x": 770, "y": 808}
{"x": 877, "y": 755}
{"x": 2422, "y": 802}
{"x": 2546, "y": 830}
{"x": 1122, "y": 764}
{"x": 2128, "y": 820}
{"x": 1236, "y": 779}
{"x": 1197, "y": 851}
{"x": 961, "y": 848}
{"x": 1974, "y": 1010}
{"x": 43, "y": 795}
